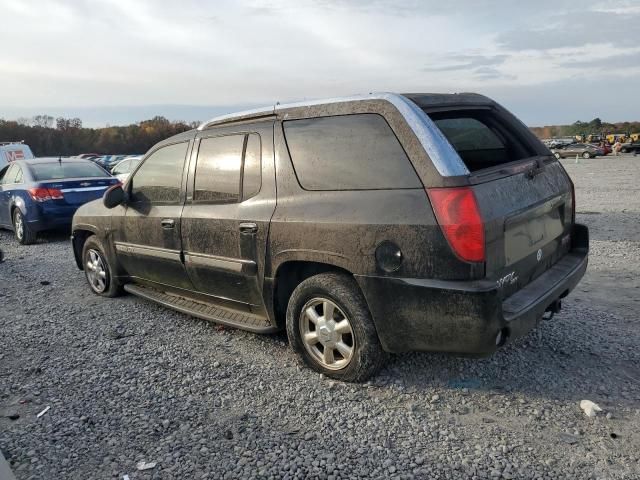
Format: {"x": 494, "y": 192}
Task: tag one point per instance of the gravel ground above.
{"x": 128, "y": 381}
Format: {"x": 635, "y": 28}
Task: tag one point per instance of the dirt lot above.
{"x": 127, "y": 381}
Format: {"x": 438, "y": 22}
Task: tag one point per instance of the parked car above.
{"x": 109, "y": 161}
{"x": 605, "y": 147}
{"x": 630, "y": 147}
{"x": 362, "y": 225}
{"x": 88, "y": 156}
{"x": 124, "y": 167}
{"x": 582, "y": 149}
{"x": 43, "y": 194}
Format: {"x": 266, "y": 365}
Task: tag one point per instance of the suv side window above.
{"x": 158, "y": 179}
{"x": 228, "y": 168}
{"x": 348, "y": 152}
{"x": 252, "y": 167}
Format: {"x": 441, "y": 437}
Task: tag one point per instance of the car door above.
{"x": 225, "y": 223}
{"x": 147, "y": 235}
{"x": 6, "y": 185}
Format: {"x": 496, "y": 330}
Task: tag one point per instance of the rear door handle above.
{"x": 168, "y": 223}
{"x": 248, "y": 228}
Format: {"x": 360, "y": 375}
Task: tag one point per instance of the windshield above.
{"x": 57, "y": 170}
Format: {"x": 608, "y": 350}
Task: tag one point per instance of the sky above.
{"x": 122, "y": 61}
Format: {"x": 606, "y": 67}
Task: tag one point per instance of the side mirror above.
{"x": 114, "y": 196}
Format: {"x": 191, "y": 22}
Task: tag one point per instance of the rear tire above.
{"x": 98, "y": 269}
{"x": 330, "y": 328}
{"x": 557, "y": 155}
{"x": 23, "y": 232}
{"x": 586, "y": 155}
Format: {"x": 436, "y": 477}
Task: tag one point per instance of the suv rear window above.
{"x": 58, "y": 170}
{"x": 348, "y": 152}
{"x": 481, "y": 138}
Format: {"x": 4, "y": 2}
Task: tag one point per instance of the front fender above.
{"x": 79, "y": 234}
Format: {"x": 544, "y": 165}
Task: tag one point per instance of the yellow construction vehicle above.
{"x": 635, "y": 137}
{"x": 616, "y": 137}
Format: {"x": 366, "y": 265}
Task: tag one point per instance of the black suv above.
{"x": 362, "y": 225}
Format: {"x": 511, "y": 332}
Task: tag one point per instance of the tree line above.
{"x": 595, "y": 126}
{"x": 49, "y": 136}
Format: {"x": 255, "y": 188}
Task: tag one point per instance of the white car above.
{"x": 123, "y": 168}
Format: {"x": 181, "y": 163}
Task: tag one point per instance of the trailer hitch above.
{"x": 552, "y": 309}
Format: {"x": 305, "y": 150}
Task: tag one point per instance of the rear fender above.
{"x": 19, "y": 203}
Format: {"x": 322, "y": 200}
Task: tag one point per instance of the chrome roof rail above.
{"x": 442, "y": 154}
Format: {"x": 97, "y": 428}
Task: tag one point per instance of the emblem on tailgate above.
{"x": 539, "y": 254}
{"x": 508, "y": 279}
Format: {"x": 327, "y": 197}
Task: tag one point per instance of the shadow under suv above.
{"x": 361, "y": 225}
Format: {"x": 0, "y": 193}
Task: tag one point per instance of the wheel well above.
{"x": 79, "y": 238}
{"x": 288, "y": 276}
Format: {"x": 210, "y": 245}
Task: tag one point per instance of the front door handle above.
{"x": 248, "y": 228}
{"x": 168, "y": 223}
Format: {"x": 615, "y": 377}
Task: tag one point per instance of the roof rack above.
{"x": 21, "y": 142}
{"x": 273, "y": 110}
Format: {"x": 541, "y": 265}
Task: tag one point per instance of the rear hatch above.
{"x": 523, "y": 194}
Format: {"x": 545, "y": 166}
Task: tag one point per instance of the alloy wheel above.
{"x": 96, "y": 271}
{"x": 19, "y": 225}
{"x": 326, "y": 333}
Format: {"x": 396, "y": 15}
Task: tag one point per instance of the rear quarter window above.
{"x": 348, "y": 152}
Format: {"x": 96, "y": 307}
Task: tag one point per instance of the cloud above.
{"x": 85, "y": 53}
{"x": 619, "y": 28}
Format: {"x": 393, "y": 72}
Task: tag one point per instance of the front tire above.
{"x": 330, "y": 328}
{"x": 557, "y": 155}
{"x": 98, "y": 270}
{"x": 586, "y": 155}
{"x": 23, "y": 232}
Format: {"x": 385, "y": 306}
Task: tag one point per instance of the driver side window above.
{"x": 159, "y": 178}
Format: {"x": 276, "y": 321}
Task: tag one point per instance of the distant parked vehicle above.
{"x": 12, "y": 151}
{"x": 606, "y": 148}
{"x": 109, "y": 161}
{"x": 123, "y": 168}
{"x": 43, "y": 194}
{"x": 88, "y": 156}
{"x": 559, "y": 142}
{"x": 582, "y": 149}
{"x": 630, "y": 147}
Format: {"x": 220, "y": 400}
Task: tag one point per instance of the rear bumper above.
{"x": 466, "y": 317}
{"x": 50, "y": 223}
{"x": 50, "y": 217}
